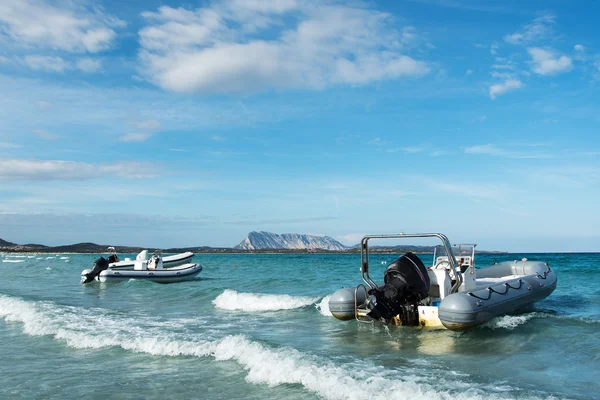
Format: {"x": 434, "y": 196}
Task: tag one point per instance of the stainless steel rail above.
{"x": 364, "y": 255}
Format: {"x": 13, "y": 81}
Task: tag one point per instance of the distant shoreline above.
{"x": 282, "y": 251}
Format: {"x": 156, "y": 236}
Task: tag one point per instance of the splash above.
{"x": 509, "y": 322}
{"x": 253, "y": 302}
{"x": 323, "y": 306}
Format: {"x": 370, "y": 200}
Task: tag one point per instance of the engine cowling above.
{"x": 406, "y": 284}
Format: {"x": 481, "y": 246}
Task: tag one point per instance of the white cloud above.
{"x": 492, "y": 150}
{"x": 438, "y": 153}
{"x": 89, "y": 65}
{"x": 468, "y": 72}
{"x": 351, "y": 238}
{"x": 44, "y": 105}
{"x": 135, "y": 137}
{"x": 479, "y": 118}
{"x": 539, "y": 29}
{"x": 148, "y": 124}
{"x": 413, "y": 149}
{"x": 579, "y": 47}
{"x": 45, "y": 134}
{"x": 506, "y": 86}
{"x": 67, "y": 26}
{"x": 20, "y": 169}
{"x": 46, "y": 63}
{"x": 221, "y": 48}
{"x": 377, "y": 142}
{"x": 6, "y": 145}
{"x": 217, "y": 138}
{"x": 547, "y": 62}
{"x": 147, "y": 127}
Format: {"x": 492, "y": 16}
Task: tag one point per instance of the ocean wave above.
{"x": 252, "y": 302}
{"x": 13, "y": 261}
{"x": 82, "y": 328}
{"x": 64, "y": 258}
{"x": 510, "y": 322}
{"x": 323, "y": 306}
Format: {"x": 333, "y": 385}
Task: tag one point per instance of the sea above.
{"x": 257, "y": 326}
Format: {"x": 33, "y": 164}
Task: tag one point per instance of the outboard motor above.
{"x": 406, "y": 284}
{"x": 99, "y": 265}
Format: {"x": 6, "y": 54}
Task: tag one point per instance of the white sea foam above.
{"x": 252, "y": 302}
{"x": 323, "y": 306}
{"x": 38, "y": 258}
{"x": 48, "y": 268}
{"x": 81, "y": 328}
{"x": 509, "y": 322}
{"x": 13, "y": 261}
{"x": 47, "y": 258}
{"x": 64, "y": 258}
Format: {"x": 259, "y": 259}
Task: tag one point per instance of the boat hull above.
{"x": 464, "y": 310}
{"x": 168, "y": 261}
{"x": 168, "y": 275}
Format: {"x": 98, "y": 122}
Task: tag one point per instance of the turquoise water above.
{"x": 252, "y": 326}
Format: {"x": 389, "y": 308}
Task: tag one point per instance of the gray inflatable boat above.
{"x": 451, "y": 293}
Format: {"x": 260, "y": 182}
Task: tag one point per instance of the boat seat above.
{"x": 440, "y": 284}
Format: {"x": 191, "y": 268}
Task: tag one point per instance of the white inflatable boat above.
{"x": 168, "y": 261}
{"x": 151, "y": 270}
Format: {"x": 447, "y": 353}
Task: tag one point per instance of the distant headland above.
{"x": 255, "y": 242}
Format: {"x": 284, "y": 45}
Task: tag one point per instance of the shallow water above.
{"x": 257, "y": 326}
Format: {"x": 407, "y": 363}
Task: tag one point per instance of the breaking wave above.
{"x": 510, "y": 322}
{"x": 13, "y": 261}
{"x": 323, "y": 306}
{"x": 252, "y": 302}
{"x": 81, "y": 328}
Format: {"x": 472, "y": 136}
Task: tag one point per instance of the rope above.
{"x": 492, "y": 290}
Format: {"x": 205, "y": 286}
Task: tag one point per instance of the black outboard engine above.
{"x": 99, "y": 265}
{"x": 406, "y": 284}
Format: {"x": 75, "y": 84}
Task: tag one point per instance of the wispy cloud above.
{"x": 504, "y": 87}
{"x": 472, "y": 190}
{"x": 135, "y": 137}
{"x": 540, "y": 28}
{"x": 34, "y": 170}
{"x": 256, "y": 222}
{"x": 146, "y": 129}
{"x": 7, "y": 145}
{"x": 492, "y": 150}
{"x": 566, "y": 176}
{"x": 67, "y": 26}
{"x": 46, "y": 63}
{"x": 351, "y": 238}
{"x": 45, "y": 134}
{"x": 89, "y": 65}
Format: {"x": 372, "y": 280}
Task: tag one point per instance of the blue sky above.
{"x": 192, "y": 123}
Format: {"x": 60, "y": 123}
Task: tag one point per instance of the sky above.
{"x": 189, "y": 123}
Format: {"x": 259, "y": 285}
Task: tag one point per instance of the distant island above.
{"x": 255, "y": 242}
